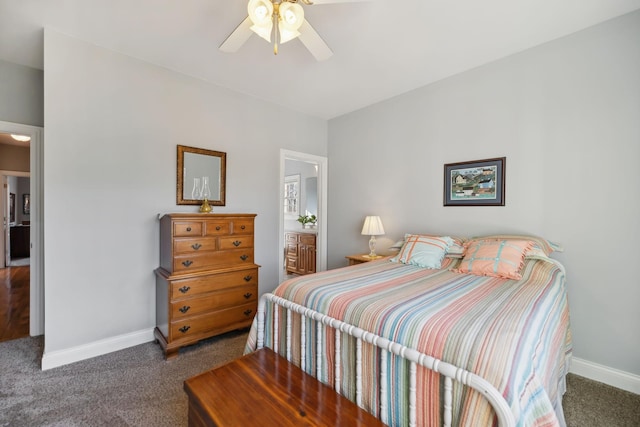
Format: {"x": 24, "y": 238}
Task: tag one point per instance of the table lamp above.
{"x": 372, "y": 227}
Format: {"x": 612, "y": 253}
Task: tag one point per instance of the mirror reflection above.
{"x": 300, "y": 192}
{"x": 201, "y": 174}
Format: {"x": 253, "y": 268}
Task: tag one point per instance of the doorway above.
{"x": 313, "y": 200}
{"x": 32, "y": 203}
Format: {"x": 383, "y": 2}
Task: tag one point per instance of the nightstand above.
{"x": 359, "y": 259}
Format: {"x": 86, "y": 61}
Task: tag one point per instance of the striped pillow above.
{"x": 455, "y": 250}
{"x": 423, "y": 251}
{"x": 497, "y": 258}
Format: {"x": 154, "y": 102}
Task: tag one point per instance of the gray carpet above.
{"x": 136, "y": 387}
{"x": 131, "y": 387}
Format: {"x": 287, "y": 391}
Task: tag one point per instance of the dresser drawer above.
{"x": 209, "y": 260}
{"x": 291, "y": 238}
{"x": 239, "y": 316}
{"x": 243, "y": 226}
{"x": 217, "y": 228}
{"x": 195, "y": 244}
{"x": 235, "y": 242}
{"x": 232, "y": 297}
{"x": 308, "y": 239}
{"x": 184, "y": 288}
{"x": 292, "y": 250}
{"x": 187, "y": 228}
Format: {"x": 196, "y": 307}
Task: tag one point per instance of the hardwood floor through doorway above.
{"x": 14, "y": 303}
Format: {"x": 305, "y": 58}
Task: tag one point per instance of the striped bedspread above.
{"x": 515, "y": 334}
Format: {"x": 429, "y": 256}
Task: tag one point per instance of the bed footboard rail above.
{"x": 448, "y": 371}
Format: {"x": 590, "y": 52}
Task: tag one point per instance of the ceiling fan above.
{"x": 288, "y": 18}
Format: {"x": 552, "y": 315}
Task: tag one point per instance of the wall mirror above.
{"x": 291, "y": 196}
{"x": 201, "y": 174}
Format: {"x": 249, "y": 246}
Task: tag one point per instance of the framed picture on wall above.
{"x": 475, "y": 183}
{"x": 26, "y": 204}
{"x": 12, "y": 208}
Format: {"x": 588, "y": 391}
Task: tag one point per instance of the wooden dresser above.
{"x": 300, "y": 252}
{"x": 207, "y": 282}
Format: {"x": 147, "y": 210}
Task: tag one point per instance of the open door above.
{"x": 36, "y": 235}
{"x": 321, "y": 207}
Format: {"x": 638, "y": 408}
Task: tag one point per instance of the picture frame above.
{"x": 12, "y": 208}
{"x": 26, "y": 204}
{"x": 475, "y": 183}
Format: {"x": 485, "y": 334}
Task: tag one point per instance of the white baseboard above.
{"x": 604, "y": 374}
{"x": 53, "y": 359}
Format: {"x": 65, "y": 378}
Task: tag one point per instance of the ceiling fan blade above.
{"x": 238, "y": 37}
{"x": 312, "y": 40}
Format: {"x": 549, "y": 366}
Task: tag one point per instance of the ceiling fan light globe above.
{"x": 291, "y": 16}
{"x": 287, "y": 35}
{"x": 263, "y": 31}
{"x": 260, "y": 11}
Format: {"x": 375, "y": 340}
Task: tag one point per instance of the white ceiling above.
{"x": 381, "y": 48}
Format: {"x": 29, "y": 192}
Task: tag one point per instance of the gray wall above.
{"x": 110, "y": 157}
{"x": 567, "y": 117}
{"x": 21, "y": 94}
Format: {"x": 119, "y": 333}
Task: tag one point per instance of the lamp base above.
{"x": 372, "y": 248}
{"x": 205, "y": 208}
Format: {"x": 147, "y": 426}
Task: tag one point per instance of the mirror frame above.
{"x": 180, "y": 179}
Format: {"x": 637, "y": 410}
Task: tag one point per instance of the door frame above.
{"x": 36, "y": 282}
{"x": 321, "y": 240}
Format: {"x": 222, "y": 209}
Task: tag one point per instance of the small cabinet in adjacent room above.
{"x": 19, "y": 238}
{"x": 300, "y": 252}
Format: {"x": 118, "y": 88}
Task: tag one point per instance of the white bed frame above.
{"x": 449, "y": 371}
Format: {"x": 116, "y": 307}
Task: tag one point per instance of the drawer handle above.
{"x": 184, "y": 289}
{"x": 187, "y": 263}
{"x": 184, "y": 329}
{"x": 237, "y": 243}
{"x": 218, "y": 228}
{"x": 247, "y": 278}
{"x": 244, "y": 257}
{"x": 248, "y": 312}
{"x": 188, "y": 228}
{"x": 247, "y": 295}
{"x": 196, "y": 246}
{"x": 242, "y": 227}
{"x": 184, "y": 309}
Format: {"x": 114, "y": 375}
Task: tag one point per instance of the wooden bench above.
{"x": 263, "y": 388}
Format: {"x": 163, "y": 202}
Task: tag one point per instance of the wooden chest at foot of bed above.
{"x": 262, "y": 388}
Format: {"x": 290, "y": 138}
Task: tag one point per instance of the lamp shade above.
{"x": 260, "y": 13}
{"x": 372, "y": 226}
{"x": 291, "y": 18}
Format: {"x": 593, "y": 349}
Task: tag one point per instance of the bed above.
{"x": 492, "y": 311}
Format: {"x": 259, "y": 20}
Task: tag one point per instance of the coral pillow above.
{"x": 423, "y": 251}
{"x": 497, "y": 258}
{"x": 539, "y": 243}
